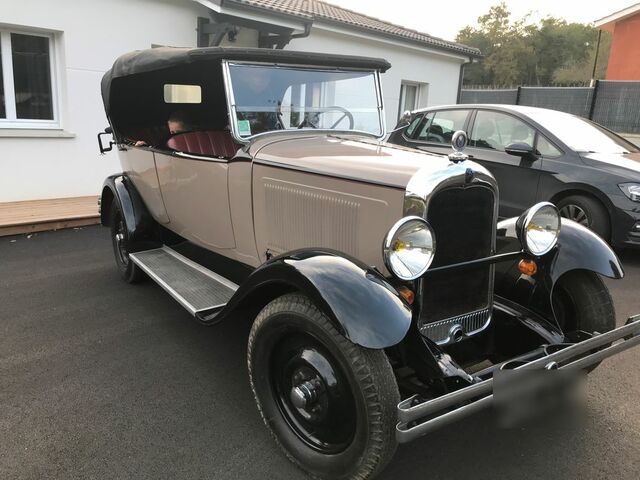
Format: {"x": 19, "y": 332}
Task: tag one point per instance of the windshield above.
{"x": 581, "y": 135}
{"x": 271, "y": 98}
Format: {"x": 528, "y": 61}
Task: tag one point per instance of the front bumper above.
{"x": 417, "y": 418}
{"x": 625, "y": 220}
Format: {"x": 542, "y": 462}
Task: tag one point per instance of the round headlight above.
{"x": 409, "y": 248}
{"x": 539, "y": 228}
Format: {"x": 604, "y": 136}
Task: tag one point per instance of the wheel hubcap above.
{"x": 313, "y": 394}
{"x": 121, "y": 243}
{"x": 575, "y": 213}
{"x": 305, "y": 395}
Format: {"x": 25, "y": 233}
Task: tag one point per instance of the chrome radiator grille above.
{"x": 447, "y": 331}
{"x": 459, "y": 301}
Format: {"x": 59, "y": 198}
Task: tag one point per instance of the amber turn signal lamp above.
{"x": 528, "y": 267}
{"x": 407, "y": 294}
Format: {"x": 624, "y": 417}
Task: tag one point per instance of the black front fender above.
{"x": 357, "y": 299}
{"x": 578, "y": 248}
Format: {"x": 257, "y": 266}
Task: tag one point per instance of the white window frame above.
{"x": 11, "y": 120}
{"x": 403, "y": 95}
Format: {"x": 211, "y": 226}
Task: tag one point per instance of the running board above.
{"x": 202, "y": 292}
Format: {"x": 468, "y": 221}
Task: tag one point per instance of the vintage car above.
{"x": 384, "y": 295}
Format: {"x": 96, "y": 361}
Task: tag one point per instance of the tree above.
{"x": 523, "y": 53}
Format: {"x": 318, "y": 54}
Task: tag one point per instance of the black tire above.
{"x": 581, "y": 301}
{"x": 129, "y": 271}
{"x": 289, "y": 338}
{"x": 587, "y": 211}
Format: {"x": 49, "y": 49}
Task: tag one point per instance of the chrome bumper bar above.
{"x": 420, "y": 418}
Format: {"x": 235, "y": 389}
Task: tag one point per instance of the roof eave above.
{"x": 235, "y": 4}
{"x": 608, "y": 23}
{"x": 465, "y": 52}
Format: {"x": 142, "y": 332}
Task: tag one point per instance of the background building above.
{"x": 624, "y": 56}
{"x": 53, "y": 55}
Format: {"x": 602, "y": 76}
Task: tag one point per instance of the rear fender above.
{"x": 357, "y": 299}
{"x": 137, "y": 218}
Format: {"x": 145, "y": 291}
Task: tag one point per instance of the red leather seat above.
{"x": 211, "y": 143}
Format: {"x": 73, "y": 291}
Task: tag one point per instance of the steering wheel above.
{"x": 435, "y": 137}
{"x": 335, "y": 108}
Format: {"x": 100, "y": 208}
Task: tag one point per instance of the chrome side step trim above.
{"x": 193, "y": 286}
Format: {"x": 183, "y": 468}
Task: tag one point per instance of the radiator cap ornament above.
{"x": 458, "y": 142}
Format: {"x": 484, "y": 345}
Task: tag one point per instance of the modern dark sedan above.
{"x": 536, "y": 154}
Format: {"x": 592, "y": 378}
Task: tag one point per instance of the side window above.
{"x": 546, "y": 148}
{"x": 495, "y": 131}
{"x": 412, "y": 126}
{"x": 442, "y": 126}
{"x": 424, "y": 127}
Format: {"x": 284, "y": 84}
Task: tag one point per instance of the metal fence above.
{"x": 612, "y": 103}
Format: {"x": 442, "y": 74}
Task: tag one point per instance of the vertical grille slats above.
{"x": 463, "y": 221}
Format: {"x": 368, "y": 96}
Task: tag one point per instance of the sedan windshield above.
{"x": 267, "y": 98}
{"x": 581, "y": 135}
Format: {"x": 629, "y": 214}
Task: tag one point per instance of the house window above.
{"x": 408, "y": 97}
{"x": 27, "y": 93}
{"x": 413, "y": 95}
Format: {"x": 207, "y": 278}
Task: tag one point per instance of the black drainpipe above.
{"x": 461, "y": 78}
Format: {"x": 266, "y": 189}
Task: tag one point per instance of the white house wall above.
{"x": 90, "y": 34}
{"x": 440, "y": 72}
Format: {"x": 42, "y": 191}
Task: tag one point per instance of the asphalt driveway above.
{"x": 100, "y": 379}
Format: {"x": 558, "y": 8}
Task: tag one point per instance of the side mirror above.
{"x": 103, "y": 149}
{"x": 403, "y": 122}
{"x": 519, "y": 150}
{"x": 405, "y": 118}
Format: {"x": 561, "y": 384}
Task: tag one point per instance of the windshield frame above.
{"x": 244, "y": 140}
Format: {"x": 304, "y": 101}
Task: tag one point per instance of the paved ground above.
{"x": 99, "y": 379}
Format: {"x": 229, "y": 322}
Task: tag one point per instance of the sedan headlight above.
{"x": 539, "y": 228}
{"x": 631, "y": 190}
{"x": 409, "y": 248}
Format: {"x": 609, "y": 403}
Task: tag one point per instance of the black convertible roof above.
{"x": 156, "y": 59}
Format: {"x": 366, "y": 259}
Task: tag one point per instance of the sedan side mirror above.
{"x": 523, "y": 150}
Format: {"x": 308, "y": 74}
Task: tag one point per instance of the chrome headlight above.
{"x": 409, "y": 248}
{"x": 539, "y": 228}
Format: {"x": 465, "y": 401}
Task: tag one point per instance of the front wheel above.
{"x": 581, "y": 301}
{"x": 330, "y": 404}
{"x": 588, "y": 212}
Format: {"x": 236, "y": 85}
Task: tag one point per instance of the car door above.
{"x": 195, "y": 193}
{"x": 518, "y": 176}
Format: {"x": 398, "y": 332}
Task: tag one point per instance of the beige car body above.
{"x": 284, "y": 192}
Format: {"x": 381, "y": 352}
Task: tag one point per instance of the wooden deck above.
{"x": 51, "y": 214}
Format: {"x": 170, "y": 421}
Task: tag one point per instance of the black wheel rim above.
{"x": 312, "y": 393}
{"x": 575, "y": 213}
{"x": 120, "y": 240}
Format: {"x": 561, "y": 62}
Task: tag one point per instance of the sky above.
{"x": 445, "y": 19}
